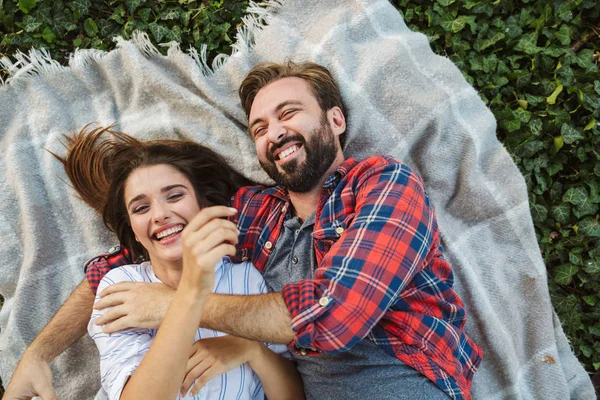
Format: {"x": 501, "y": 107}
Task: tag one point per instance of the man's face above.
{"x": 295, "y": 142}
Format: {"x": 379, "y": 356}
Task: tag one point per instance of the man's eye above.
{"x": 288, "y": 113}
{"x": 259, "y": 132}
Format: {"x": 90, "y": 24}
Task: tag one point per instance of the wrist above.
{"x": 256, "y": 354}
{"x": 35, "y": 354}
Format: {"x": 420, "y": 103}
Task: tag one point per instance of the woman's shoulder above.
{"x": 128, "y": 273}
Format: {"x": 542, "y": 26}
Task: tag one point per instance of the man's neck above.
{"x": 306, "y": 203}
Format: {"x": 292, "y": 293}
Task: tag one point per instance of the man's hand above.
{"x": 215, "y": 356}
{"x": 133, "y": 305}
{"x": 31, "y": 378}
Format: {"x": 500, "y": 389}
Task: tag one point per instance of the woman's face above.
{"x": 160, "y": 202}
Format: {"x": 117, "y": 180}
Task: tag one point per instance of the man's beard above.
{"x": 320, "y": 151}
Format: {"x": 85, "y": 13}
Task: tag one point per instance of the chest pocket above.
{"x": 330, "y": 232}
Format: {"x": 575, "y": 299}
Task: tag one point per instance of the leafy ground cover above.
{"x": 534, "y": 62}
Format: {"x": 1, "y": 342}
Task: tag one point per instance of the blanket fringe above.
{"x": 35, "y": 62}
{"x": 40, "y": 62}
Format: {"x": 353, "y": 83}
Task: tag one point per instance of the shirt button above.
{"x": 268, "y": 245}
{"x": 295, "y": 260}
{"x": 303, "y": 352}
{"x": 339, "y": 230}
{"x": 244, "y": 258}
{"x": 324, "y": 301}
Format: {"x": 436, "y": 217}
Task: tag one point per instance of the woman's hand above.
{"x": 215, "y": 356}
{"x": 207, "y": 238}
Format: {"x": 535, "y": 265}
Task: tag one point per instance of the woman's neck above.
{"x": 169, "y": 273}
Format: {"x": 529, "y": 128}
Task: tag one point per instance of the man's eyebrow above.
{"x": 163, "y": 190}
{"x": 277, "y": 109}
{"x": 287, "y": 103}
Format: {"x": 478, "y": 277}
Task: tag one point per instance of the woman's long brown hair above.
{"x": 99, "y": 161}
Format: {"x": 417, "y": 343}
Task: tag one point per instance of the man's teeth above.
{"x": 287, "y": 152}
{"x": 169, "y": 231}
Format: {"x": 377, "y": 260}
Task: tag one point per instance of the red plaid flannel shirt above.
{"x": 381, "y": 274}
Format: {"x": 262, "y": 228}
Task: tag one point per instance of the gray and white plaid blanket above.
{"x": 402, "y": 100}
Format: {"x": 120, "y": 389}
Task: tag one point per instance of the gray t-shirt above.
{"x": 363, "y": 372}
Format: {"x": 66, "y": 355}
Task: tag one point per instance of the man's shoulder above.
{"x": 382, "y": 160}
{"x": 114, "y": 257}
{"x": 257, "y": 195}
{"x": 379, "y": 163}
{"x": 248, "y": 191}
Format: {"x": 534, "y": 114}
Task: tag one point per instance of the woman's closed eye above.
{"x": 140, "y": 209}
{"x": 175, "y": 197}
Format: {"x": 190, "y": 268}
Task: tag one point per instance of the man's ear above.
{"x": 336, "y": 120}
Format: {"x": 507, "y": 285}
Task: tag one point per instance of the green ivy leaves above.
{"x": 62, "y": 25}
{"x": 531, "y": 65}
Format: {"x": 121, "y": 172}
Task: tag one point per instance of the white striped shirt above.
{"x": 122, "y": 352}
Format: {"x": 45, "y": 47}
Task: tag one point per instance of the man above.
{"x": 361, "y": 292}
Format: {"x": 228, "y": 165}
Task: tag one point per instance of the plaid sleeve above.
{"x": 98, "y": 266}
{"x": 384, "y": 246}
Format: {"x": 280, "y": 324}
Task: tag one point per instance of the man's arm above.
{"x": 32, "y": 376}
{"x": 262, "y": 317}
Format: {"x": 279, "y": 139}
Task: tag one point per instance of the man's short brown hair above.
{"x": 319, "y": 80}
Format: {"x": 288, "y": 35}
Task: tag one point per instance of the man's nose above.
{"x": 276, "y": 132}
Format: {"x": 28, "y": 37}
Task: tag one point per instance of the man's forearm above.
{"x": 68, "y": 324}
{"x": 262, "y": 317}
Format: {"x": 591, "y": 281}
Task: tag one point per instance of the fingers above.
{"x": 201, "y": 242}
{"x": 118, "y": 287}
{"x": 198, "y": 354}
{"x": 49, "y": 395}
{"x": 210, "y": 373}
{"x": 111, "y": 315}
{"x": 110, "y": 300}
{"x": 196, "y": 372}
{"x": 119, "y": 325}
{"x": 207, "y": 214}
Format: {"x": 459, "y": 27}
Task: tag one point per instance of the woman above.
{"x": 148, "y": 193}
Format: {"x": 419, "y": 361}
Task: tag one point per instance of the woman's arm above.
{"x": 162, "y": 369}
{"x": 279, "y": 377}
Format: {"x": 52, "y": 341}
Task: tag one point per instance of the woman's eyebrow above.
{"x": 177, "y": 185}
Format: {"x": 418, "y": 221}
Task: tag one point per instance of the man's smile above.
{"x": 286, "y": 152}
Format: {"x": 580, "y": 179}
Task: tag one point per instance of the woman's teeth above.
{"x": 169, "y": 231}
